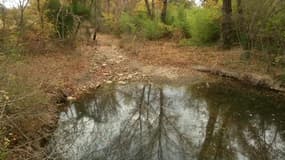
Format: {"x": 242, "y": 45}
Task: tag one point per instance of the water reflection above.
{"x": 163, "y": 122}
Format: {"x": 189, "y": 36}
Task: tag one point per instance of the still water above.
{"x": 206, "y": 121}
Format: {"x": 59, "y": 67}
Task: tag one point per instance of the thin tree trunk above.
{"x": 164, "y": 11}
{"x": 22, "y": 5}
{"x": 239, "y": 7}
{"x": 108, "y": 6}
{"x": 153, "y": 9}
{"x": 209, "y": 134}
{"x": 147, "y": 7}
{"x": 227, "y": 31}
{"x": 240, "y": 23}
{"x": 160, "y": 126}
{"x": 21, "y": 23}
{"x": 40, "y": 15}
{"x": 3, "y": 17}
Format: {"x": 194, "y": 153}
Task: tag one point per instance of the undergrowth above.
{"x": 195, "y": 26}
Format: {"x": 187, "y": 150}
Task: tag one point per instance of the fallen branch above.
{"x": 250, "y": 78}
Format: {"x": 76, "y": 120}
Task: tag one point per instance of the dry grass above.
{"x": 165, "y": 53}
{"x": 30, "y": 83}
{"x": 32, "y": 80}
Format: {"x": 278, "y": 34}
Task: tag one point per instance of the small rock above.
{"x": 130, "y": 76}
{"x": 6, "y": 97}
{"x": 70, "y": 98}
{"x": 98, "y": 85}
{"x": 122, "y": 82}
{"x": 109, "y": 82}
{"x": 104, "y": 64}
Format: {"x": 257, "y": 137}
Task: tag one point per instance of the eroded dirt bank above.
{"x": 61, "y": 75}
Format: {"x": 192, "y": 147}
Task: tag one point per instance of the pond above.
{"x": 218, "y": 120}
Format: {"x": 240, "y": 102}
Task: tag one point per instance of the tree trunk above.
{"x": 40, "y": 15}
{"x": 239, "y": 7}
{"x": 3, "y": 16}
{"x": 240, "y": 26}
{"x": 213, "y": 116}
{"x": 164, "y": 11}
{"x": 22, "y": 5}
{"x": 108, "y": 6}
{"x": 96, "y": 14}
{"x": 147, "y": 7}
{"x": 21, "y": 22}
{"x": 227, "y": 30}
{"x": 153, "y": 9}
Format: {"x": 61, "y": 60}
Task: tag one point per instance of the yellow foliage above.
{"x": 213, "y": 4}
{"x": 140, "y": 7}
{"x": 109, "y": 18}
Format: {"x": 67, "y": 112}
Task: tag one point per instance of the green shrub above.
{"x": 204, "y": 25}
{"x": 177, "y": 17}
{"x": 273, "y": 34}
{"x": 80, "y": 9}
{"x": 152, "y": 29}
{"x": 201, "y": 24}
{"x": 127, "y": 24}
{"x": 64, "y": 18}
{"x": 262, "y": 26}
{"x": 140, "y": 24}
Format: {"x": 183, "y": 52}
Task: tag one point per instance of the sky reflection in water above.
{"x": 164, "y": 122}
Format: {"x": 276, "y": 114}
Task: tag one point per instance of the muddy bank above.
{"x": 263, "y": 81}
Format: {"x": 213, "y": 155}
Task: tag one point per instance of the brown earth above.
{"x": 111, "y": 59}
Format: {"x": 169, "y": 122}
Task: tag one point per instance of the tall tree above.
{"x": 3, "y": 16}
{"x": 153, "y": 9}
{"x": 240, "y": 22}
{"x": 22, "y": 5}
{"x": 164, "y": 11}
{"x": 108, "y": 6}
{"x": 147, "y": 5}
{"x": 41, "y": 14}
{"x": 227, "y": 28}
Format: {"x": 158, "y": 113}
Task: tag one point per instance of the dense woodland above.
{"x": 250, "y": 24}
{"x": 31, "y": 28}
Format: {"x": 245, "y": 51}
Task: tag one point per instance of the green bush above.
{"x": 204, "y": 25}
{"x": 273, "y": 34}
{"x": 64, "y": 17}
{"x": 201, "y": 24}
{"x": 177, "y": 18}
{"x": 127, "y": 24}
{"x": 153, "y": 29}
{"x": 80, "y": 9}
{"x": 140, "y": 24}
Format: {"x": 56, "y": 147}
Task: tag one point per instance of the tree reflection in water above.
{"x": 162, "y": 122}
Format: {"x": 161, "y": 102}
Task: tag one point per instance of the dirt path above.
{"x": 109, "y": 53}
